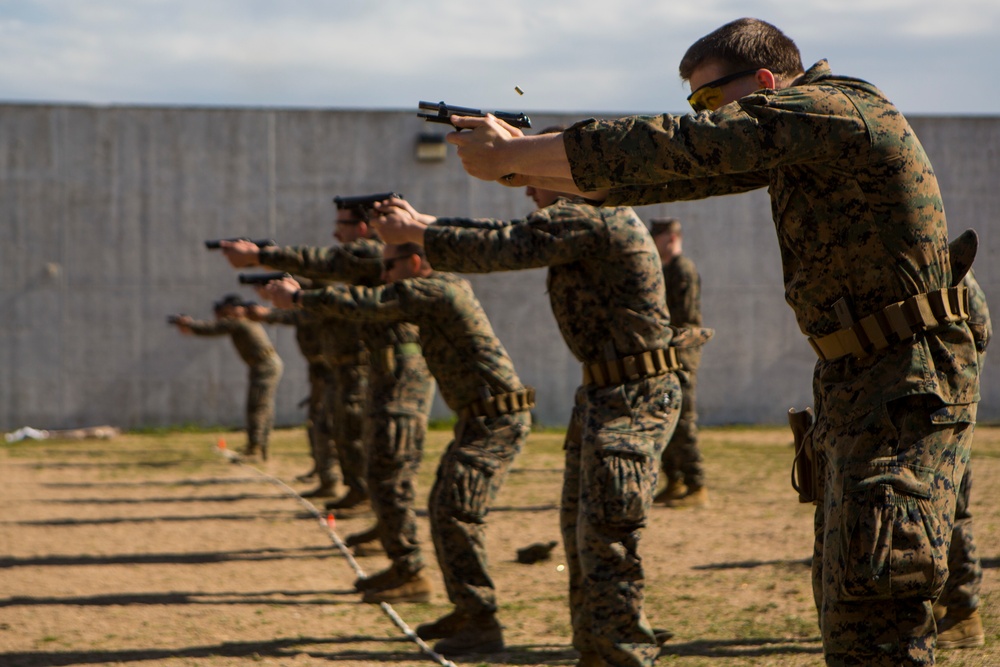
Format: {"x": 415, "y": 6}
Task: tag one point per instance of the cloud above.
{"x": 588, "y": 54}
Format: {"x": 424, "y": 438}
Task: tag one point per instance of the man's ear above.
{"x": 364, "y": 229}
{"x": 415, "y": 261}
{"x": 765, "y": 79}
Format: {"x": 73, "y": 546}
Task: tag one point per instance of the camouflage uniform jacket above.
{"x": 605, "y": 282}
{"x": 856, "y": 206}
{"x": 979, "y": 313}
{"x": 683, "y": 292}
{"x": 358, "y": 263}
{"x": 308, "y": 330}
{"x": 462, "y": 352}
{"x": 250, "y": 339}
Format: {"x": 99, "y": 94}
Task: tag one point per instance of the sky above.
{"x": 602, "y": 56}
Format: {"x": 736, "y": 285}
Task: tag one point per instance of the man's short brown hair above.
{"x": 745, "y": 44}
{"x": 659, "y": 226}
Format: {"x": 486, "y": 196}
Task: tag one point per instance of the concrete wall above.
{"x": 105, "y": 209}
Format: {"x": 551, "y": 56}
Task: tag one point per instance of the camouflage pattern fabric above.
{"x": 884, "y": 528}
{"x": 255, "y": 348}
{"x": 613, "y": 445}
{"x": 399, "y": 405}
{"x": 682, "y": 459}
{"x": 309, "y": 337}
{"x": 469, "y": 363}
{"x": 342, "y": 344}
{"x": 602, "y": 262}
{"x": 471, "y": 473}
{"x": 873, "y": 238}
{"x": 965, "y": 570}
{"x": 605, "y": 285}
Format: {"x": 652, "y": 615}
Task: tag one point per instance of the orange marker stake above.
{"x": 222, "y": 443}
{"x": 330, "y": 521}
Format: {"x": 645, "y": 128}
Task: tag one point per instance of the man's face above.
{"x": 348, "y": 227}
{"x": 396, "y": 266}
{"x": 665, "y": 245}
{"x": 707, "y": 76}
{"x": 542, "y": 198}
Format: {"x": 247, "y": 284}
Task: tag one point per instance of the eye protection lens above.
{"x": 709, "y": 96}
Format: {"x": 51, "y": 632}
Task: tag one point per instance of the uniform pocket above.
{"x": 894, "y": 542}
{"x": 623, "y": 480}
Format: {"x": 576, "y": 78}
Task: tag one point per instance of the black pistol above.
{"x": 215, "y": 244}
{"x": 262, "y": 278}
{"x": 443, "y": 113}
{"x": 364, "y": 202}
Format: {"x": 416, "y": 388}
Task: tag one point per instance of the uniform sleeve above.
{"x": 555, "y": 235}
{"x": 762, "y": 131}
{"x": 473, "y": 223}
{"x": 687, "y": 189}
{"x": 280, "y": 316}
{"x": 335, "y": 263}
{"x": 383, "y": 303}
{"x": 209, "y": 328}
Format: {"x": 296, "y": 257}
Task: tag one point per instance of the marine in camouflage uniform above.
{"x": 478, "y": 381}
{"x": 401, "y": 393}
{"x": 308, "y": 336}
{"x": 861, "y": 229}
{"x": 356, "y": 262}
{"x": 606, "y": 290}
{"x": 957, "y": 610}
{"x": 255, "y": 348}
{"x": 682, "y": 462}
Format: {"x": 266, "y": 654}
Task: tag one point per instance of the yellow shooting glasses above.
{"x": 709, "y": 96}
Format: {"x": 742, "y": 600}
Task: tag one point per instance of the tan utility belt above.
{"x": 897, "y": 322}
{"x": 357, "y": 359}
{"x": 500, "y": 404}
{"x": 633, "y": 367}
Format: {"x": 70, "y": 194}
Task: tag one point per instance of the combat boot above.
{"x": 365, "y": 543}
{"x": 408, "y": 588}
{"x": 351, "y": 500}
{"x": 961, "y": 628}
{"x": 694, "y": 498}
{"x": 250, "y": 453}
{"x": 478, "y": 634}
{"x": 446, "y": 626}
{"x": 307, "y": 476}
{"x": 385, "y": 579}
{"x": 321, "y": 491}
{"x": 673, "y": 490}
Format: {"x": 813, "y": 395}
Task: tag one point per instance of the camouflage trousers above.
{"x": 884, "y": 528}
{"x": 613, "y": 447}
{"x": 400, "y": 403}
{"x": 318, "y": 425}
{"x": 681, "y": 459}
{"x": 263, "y": 385}
{"x": 470, "y": 475}
{"x": 965, "y": 571}
{"x": 346, "y": 401}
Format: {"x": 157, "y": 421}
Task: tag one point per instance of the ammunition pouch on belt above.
{"x": 897, "y": 322}
{"x": 500, "y": 404}
{"x": 384, "y": 359}
{"x": 805, "y": 468}
{"x": 633, "y": 367}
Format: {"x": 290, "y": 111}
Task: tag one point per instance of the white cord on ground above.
{"x": 328, "y": 524}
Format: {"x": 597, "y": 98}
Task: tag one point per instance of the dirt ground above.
{"x": 152, "y": 549}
